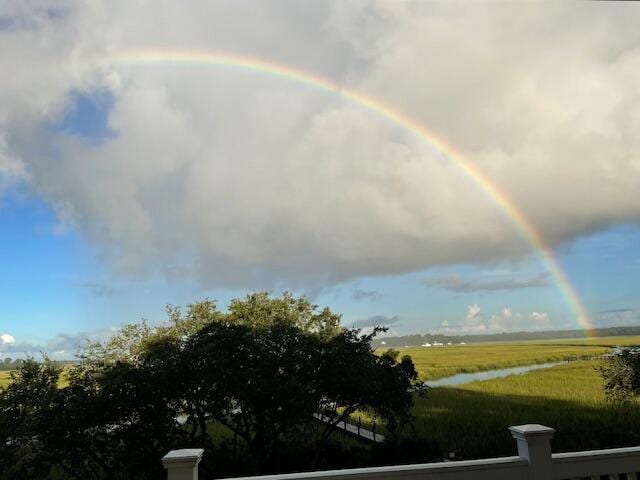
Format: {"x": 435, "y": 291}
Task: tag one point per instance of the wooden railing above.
{"x": 534, "y": 462}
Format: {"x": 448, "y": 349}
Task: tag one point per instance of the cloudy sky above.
{"x": 126, "y": 185}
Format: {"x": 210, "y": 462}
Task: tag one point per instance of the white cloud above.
{"x": 514, "y": 321}
{"x": 472, "y": 323}
{"x": 60, "y": 346}
{"x": 473, "y": 312}
{"x": 242, "y": 179}
{"x": 540, "y": 320}
{"x": 505, "y": 321}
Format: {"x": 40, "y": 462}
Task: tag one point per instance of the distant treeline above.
{"x": 14, "y": 363}
{"x": 417, "y": 339}
{"x": 10, "y": 363}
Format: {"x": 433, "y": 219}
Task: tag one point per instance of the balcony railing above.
{"x": 534, "y": 462}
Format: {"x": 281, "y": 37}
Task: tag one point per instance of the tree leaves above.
{"x": 262, "y": 370}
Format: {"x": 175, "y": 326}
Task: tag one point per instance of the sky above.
{"x": 128, "y": 184}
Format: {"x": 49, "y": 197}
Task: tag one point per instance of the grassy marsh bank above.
{"x": 439, "y": 362}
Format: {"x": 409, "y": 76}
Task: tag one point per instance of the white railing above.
{"x": 598, "y": 462}
{"x": 534, "y": 462}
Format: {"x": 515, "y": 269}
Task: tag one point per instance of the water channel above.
{"x": 461, "y": 378}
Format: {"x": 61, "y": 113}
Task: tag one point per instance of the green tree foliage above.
{"x": 25, "y": 405}
{"x": 260, "y": 370}
{"x": 103, "y": 423}
{"x": 621, "y": 375}
{"x": 259, "y": 310}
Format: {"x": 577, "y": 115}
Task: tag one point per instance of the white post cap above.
{"x": 182, "y": 464}
{"x": 531, "y": 431}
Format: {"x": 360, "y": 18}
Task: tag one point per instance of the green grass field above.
{"x": 438, "y": 362}
{"x": 473, "y": 419}
{"x": 4, "y": 378}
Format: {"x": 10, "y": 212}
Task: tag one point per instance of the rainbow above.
{"x": 525, "y": 227}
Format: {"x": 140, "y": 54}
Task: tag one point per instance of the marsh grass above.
{"x": 4, "y": 378}
{"x": 473, "y": 419}
{"x": 439, "y": 362}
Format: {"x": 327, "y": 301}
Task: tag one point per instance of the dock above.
{"x": 356, "y": 430}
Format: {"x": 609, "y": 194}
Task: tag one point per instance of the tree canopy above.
{"x": 256, "y": 373}
{"x": 621, "y": 375}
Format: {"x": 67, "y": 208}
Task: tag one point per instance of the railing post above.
{"x": 534, "y": 445}
{"x": 182, "y": 464}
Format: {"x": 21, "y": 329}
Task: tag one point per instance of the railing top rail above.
{"x": 399, "y": 471}
{"x": 593, "y": 454}
{"x": 597, "y": 462}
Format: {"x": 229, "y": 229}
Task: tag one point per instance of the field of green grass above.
{"x": 473, "y": 419}
{"x": 4, "y": 378}
{"x": 438, "y": 362}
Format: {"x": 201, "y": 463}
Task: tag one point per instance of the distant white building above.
{"x": 438, "y": 344}
{"x": 426, "y": 344}
{"x": 383, "y": 343}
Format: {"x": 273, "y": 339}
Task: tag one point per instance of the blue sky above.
{"x": 126, "y": 186}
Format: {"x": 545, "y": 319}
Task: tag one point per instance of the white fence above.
{"x": 534, "y": 462}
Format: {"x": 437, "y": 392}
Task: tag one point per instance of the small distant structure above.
{"x": 383, "y": 343}
{"x": 438, "y": 344}
{"x": 463, "y": 343}
{"x": 448, "y": 343}
{"x": 426, "y": 344}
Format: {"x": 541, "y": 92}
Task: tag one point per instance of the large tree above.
{"x": 621, "y": 375}
{"x": 261, "y": 370}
